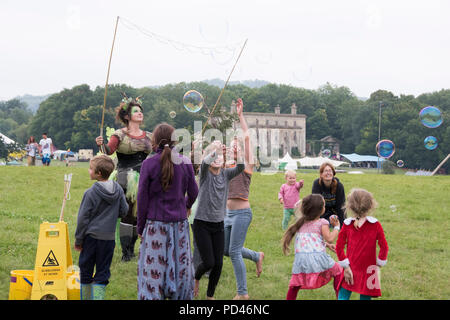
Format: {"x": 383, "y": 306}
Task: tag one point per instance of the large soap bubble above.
{"x": 431, "y": 117}
{"x": 385, "y": 148}
{"x": 430, "y": 143}
{"x": 193, "y": 101}
{"x": 326, "y": 153}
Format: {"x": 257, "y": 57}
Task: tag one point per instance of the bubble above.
{"x": 326, "y": 153}
{"x": 172, "y": 114}
{"x": 400, "y": 163}
{"x": 430, "y": 143}
{"x": 393, "y": 207}
{"x": 431, "y": 117}
{"x": 193, "y": 101}
{"x": 214, "y": 29}
{"x": 385, "y": 148}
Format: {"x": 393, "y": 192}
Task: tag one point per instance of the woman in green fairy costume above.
{"x": 132, "y": 146}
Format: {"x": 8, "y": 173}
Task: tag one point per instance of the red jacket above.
{"x": 361, "y": 255}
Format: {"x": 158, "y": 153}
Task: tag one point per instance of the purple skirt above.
{"x": 165, "y": 269}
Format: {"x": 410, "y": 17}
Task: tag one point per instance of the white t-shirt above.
{"x": 31, "y": 149}
{"x": 46, "y": 145}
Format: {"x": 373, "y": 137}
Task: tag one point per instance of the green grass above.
{"x": 417, "y": 232}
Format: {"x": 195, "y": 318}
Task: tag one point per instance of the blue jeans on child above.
{"x": 236, "y": 224}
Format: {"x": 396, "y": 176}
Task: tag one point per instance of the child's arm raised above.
{"x": 248, "y": 152}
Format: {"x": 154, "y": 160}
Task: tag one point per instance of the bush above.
{"x": 388, "y": 167}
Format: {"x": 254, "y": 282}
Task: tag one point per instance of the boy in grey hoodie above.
{"x": 101, "y": 206}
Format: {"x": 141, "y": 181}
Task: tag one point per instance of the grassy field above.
{"x": 414, "y": 212}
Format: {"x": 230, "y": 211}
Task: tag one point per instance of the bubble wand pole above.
{"x": 440, "y": 164}
{"x": 102, "y": 148}
{"x": 223, "y": 89}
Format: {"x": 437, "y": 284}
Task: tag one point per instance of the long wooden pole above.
{"x": 223, "y": 89}
{"x": 106, "y": 85}
{"x": 440, "y": 164}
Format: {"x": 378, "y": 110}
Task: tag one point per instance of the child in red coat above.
{"x": 360, "y": 235}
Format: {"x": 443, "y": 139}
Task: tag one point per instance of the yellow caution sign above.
{"x": 53, "y": 258}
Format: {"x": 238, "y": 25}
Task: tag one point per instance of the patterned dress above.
{"x": 313, "y": 267}
{"x": 165, "y": 269}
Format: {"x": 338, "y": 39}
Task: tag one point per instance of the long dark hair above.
{"x": 162, "y": 139}
{"x": 311, "y": 207}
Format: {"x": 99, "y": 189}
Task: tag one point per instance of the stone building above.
{"x": 285, "y": 132}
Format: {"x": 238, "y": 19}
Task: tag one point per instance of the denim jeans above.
{"x": 236, "y": 225}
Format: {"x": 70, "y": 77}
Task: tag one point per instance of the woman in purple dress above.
{"x": 165, "y": 269}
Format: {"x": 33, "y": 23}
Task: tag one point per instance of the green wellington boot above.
{"x": 86, "y": 291}
{"x": 98, "y": 291}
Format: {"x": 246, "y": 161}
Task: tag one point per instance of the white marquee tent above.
{"x": 291, "y": 164}
{"x": 6, "y": 140}
{"x": 317, "y": 162}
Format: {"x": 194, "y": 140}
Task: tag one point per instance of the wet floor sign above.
{"x": 53, "y": 263}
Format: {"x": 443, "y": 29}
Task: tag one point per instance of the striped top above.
{"x": 239, "y": 186}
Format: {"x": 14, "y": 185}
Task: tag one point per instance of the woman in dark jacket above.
{"x": 332, "y": 191}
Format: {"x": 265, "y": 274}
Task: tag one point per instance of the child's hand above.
{"x": 331, "y": 246}
{"x": 348, "y": 275}
{"x": 335, "y": 221}
{"x": 217, "y": 145}
{"x": 301, "y": 183}
{"x": 281, "y": 201}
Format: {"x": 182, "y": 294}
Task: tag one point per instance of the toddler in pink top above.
{"x": 289, "y": 195}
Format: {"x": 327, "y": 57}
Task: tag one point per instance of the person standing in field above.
{"x": 208, "y": 224}
{"x": 332, "y": 191}
{"x": 313, "y": 267}
{"x": 289, "y": 195}
{"x": 239, "y": 214}
{"x": 359, "y": 236}
{"x": 46, "y": 149}
{"x": 32, "y": 149}
{"x": 132, "y": 145}
{"x": 166, "y": 193}
{"x": 101, "y": 206}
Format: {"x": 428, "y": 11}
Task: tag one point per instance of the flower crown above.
{"x": 127, "y": 100}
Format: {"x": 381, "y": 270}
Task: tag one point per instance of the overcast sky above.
{"x": 400, "y": 46}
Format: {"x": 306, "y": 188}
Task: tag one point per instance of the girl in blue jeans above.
{"x": 239, "y": 214}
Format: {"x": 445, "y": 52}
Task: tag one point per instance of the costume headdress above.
{"x": 127, "y": 100}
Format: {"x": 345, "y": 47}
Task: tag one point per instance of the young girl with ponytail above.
{"x": 313, "y": 267}
{"x": 166, "y": 192}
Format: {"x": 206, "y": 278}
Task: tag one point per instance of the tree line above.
{"x": 72, "y": 117}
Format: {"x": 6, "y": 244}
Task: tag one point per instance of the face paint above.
{"x": 135, "y": 110}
